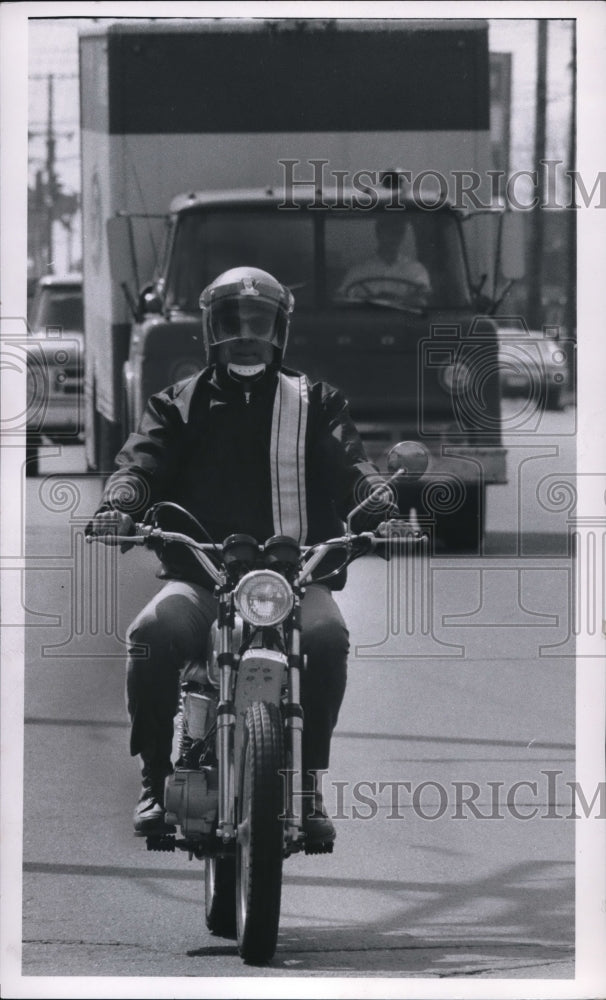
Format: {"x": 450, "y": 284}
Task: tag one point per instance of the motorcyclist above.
{"x": 246, "y": 445}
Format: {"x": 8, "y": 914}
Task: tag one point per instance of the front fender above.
{"x": 261, "y": 675}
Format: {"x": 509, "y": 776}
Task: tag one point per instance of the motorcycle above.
{"x": 237, "y": 790}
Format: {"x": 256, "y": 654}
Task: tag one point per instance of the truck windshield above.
{"x": 403, "y": 259}
{"x": 206, "y": 244}
{"x": 408, "y": 258}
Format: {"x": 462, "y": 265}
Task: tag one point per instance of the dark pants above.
{"x": 173, "y": 629}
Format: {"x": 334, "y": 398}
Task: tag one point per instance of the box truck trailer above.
{"x": 282, "y": 144}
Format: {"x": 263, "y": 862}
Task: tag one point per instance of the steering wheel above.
{"x": 363, "y": 287}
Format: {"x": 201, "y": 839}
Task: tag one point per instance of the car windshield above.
{"x": 404, "y": 259}
{"x": 58, "y": 307}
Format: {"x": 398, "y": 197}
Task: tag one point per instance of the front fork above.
{"x": 226, "y": 725}
{"x": 226, "y": 722}
{"x": 294, "y": 734}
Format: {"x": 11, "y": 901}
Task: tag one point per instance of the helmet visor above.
{"x": 243, "y": 319}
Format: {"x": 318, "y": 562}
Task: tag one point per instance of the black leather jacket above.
{"x": 204, "y": 445}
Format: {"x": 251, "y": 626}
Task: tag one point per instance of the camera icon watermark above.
{"x": 466, "y": 373}
{"x": 43, "y": 382}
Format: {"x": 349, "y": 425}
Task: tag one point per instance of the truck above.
{"x": 281, "y": 143}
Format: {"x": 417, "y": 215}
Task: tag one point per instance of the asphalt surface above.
{"x": 468, "y": 693}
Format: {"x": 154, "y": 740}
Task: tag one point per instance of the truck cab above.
{"x": 282, "y": 165}
{"x": 385, "y": 309}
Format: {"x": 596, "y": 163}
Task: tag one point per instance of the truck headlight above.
{"x": 264, "y": 598}
{"x": 455, "y": 378}
{"x": 183, "y": 368}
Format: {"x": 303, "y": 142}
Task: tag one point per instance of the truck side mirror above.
{"x": 512, "y": 255}
{"x": 122, "y": 261}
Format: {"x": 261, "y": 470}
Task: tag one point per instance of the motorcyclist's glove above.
{"x": 400, "y": 534}
{"x": 111, "y": 522}
{"x": 369, "y": 520}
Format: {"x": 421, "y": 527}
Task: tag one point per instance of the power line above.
{"x": 58, "y": 121}
{"x": 58, "y": 159}
{"x": 57, "y": 76}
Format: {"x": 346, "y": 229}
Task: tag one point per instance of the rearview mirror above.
{"x": 122, "y": 263}
{"x": 408, "y": 459}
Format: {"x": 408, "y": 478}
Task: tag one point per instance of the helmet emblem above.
{"x": 248, "y": 286}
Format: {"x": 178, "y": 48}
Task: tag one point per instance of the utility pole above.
{"x": 48, "y": 200}
{"x": 537, "y": 238}
{"x": 38, "y": 222}
{"x": 571, "y": 228}
{"x": 51, "y": 179}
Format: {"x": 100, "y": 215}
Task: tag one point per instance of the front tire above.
{"x": 32, "y": 457}
{"x": 463, "y": 530}
{"x": 554, "y": 398}
{"x": 259, "y": 848}
{"x": 220, "y": 895}
{"x": 458, "y": 530}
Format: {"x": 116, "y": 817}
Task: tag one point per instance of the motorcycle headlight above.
{"x": 264, "y": 598}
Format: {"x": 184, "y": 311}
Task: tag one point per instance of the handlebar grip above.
{"x": 412, "y": 538}
{"x": 401, "y": 527}
{"x": 109, "y": 539}
{"x": 402, "y": 532}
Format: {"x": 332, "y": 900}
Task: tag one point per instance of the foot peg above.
{"x": 319, "y": 847}
{"x": 163, "y": 842}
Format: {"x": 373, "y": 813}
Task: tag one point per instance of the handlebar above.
{"x": 145, "y": 534}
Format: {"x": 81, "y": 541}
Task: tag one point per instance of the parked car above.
{"x": 55, "y": 365}
{"x": 535, "y": 365}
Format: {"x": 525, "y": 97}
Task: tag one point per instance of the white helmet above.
{"x": 246, "y": 303}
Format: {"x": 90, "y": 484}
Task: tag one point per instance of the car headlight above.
{"x": 555, "y": 363}
{"x": 264, "y": 598}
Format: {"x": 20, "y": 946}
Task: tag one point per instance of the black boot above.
{"x": 149, "y": 811}
{"x": 319, "y": 831}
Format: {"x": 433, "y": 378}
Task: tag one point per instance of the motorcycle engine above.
{"x": 191, "y": 800}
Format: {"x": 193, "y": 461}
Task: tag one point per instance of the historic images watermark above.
{"x": 550, "y": 186}
{"x": 526, "y": 799}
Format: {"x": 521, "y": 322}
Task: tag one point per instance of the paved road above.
{"x": 464, "y": 695}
